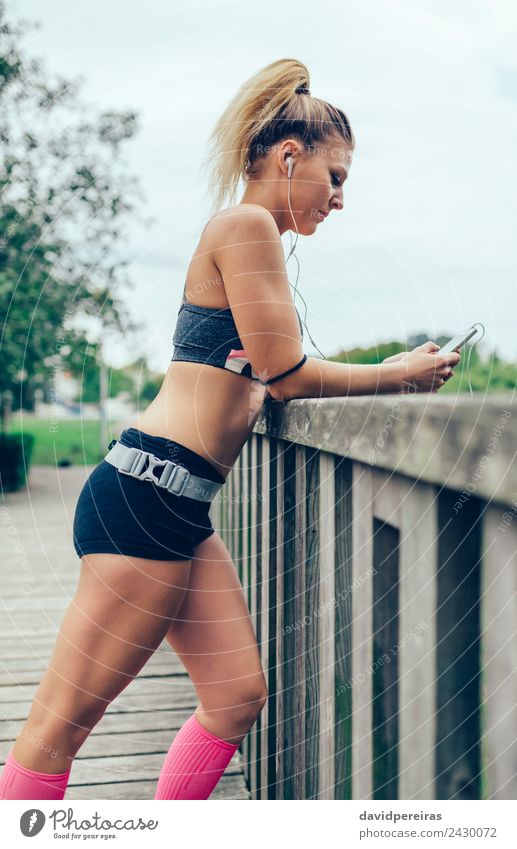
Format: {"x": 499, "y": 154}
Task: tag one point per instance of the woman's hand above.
{"x": 423, "y": 370}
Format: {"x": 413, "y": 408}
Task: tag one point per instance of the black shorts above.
{"x": 118, "y": 514}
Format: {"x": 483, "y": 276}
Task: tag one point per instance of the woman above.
{"x": 152, "y": 565}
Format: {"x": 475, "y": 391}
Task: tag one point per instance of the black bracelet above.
{"x": 284, "y": 373}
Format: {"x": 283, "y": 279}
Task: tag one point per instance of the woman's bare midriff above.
{"x": 208, "y": 409}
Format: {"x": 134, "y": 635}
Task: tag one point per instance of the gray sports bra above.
{"x": 208, "y": 335}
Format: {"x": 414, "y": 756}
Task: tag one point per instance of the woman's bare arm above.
{"x": 249, "y": 255}
{"x": 326, "y": 379}
{"x": 420, "y": 370}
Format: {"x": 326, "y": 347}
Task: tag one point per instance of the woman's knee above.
{"x": 48, "y": 744}
{"x": 64, "y": 722}
{"x": 254, "y": 705}
{"x": 243, "y": 705}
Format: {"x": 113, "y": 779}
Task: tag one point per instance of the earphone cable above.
{"x": 291, "y": 253}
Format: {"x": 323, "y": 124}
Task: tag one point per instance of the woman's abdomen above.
{"x": 205, "y": 408}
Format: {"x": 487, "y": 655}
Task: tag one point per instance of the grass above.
{"x": 76, "y": 441}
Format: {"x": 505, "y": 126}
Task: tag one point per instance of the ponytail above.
{"x": 271, "y": 105}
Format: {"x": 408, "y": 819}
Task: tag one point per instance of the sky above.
{"x": 426, "y": 239}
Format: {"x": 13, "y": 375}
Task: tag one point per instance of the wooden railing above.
{"x": 376, "y": 539}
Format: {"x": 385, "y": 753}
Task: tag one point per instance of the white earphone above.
{"x": 290, "y": 165}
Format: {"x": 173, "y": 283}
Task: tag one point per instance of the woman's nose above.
{"x": 337, "y": 202}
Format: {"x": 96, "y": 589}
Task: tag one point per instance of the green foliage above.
{"x": 491, "y": 375}
{"x": 150, "y": 389}
{"x": 59, "y": 441}
{"x": 80, "y": 358}
{"x": 369, "y": 356}
{"x": 64, "y": 200}
{"x": 146, "y": 383}
{"x": 15, "y": 458}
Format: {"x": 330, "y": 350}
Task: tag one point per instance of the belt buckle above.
{"x": 170, "y": 473}
{"x": 137, "y": 462}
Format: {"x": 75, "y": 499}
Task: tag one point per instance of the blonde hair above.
{"x": 273, "y": 104}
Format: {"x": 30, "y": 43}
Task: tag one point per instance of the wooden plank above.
{"x": 234, "y": 512}
{"x": 359, "y": 428}
{"x": 312, "y": 649}
{"x": 305, "y": 592}
{"x": 499, "y": 617}
{"x": 123, "y": 703}
{"x": 457, "y": 640}
{"x": 252, "y": 576}
{"x": 290, "y": 722}
{"x": 135, "y": 743}
{"x": 264, "y": 613}
{"x": 243, "y": 523}
{"x": 273, "y": 616}
{"x": 225, "y": 508}
{"x": 262, "y": 519}
{"x": 244, "y": 561}
{"x": 344, "y": 588}
{"x": 418, "y": 523}
{"x": 383, "y": 667}
{"x": 229, "y": 787}
{"x": 112, "y": 725}
{"x": 247, "y": 540}
{"x": 166, "y": 686}
{"x": 297, "y": 717}
{"x": 389, "y": 493}
{"x": 279, "y": 624}
{"x": 390, "y": 490}
{"x": 410, "y": 507}
{"x": 324, "y": 602}
{"x": 362, "y": 606}
{"x": 30, "y": 670}
{"x": 105, "y": 770}
{"x": 260, "y": 746}
{"x": 33, "y": 677}
{"x": 217, "y": 513}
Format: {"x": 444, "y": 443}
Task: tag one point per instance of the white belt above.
{"x": 174, "y": 478}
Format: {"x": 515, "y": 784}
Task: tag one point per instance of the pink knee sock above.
{"x": 194, "y": 763}
{"x": 18, "y": 782}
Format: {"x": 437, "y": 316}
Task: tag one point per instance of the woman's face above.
{"x": 317, "y": 180}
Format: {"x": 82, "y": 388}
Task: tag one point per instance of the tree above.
{"x": 81, "y": 358}
{"x": 64, "y": 195}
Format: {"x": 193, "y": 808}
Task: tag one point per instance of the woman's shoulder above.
{"x": 231, "y": 216}
{"x": 240, "y": 223}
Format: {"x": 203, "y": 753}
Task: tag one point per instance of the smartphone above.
{"x": 458, "y": 341}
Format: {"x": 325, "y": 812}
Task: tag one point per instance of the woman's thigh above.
{"x": 119, "y": 615}
{"x": 213, "y": 635}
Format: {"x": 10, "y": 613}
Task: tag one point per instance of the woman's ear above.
{"x": 289, "y": 148}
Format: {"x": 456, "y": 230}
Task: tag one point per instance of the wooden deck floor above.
{"x": 122, "y": 757}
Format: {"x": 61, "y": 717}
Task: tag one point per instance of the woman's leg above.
{"x": 119, "y": 615}
{"x": 213, "y": 636}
